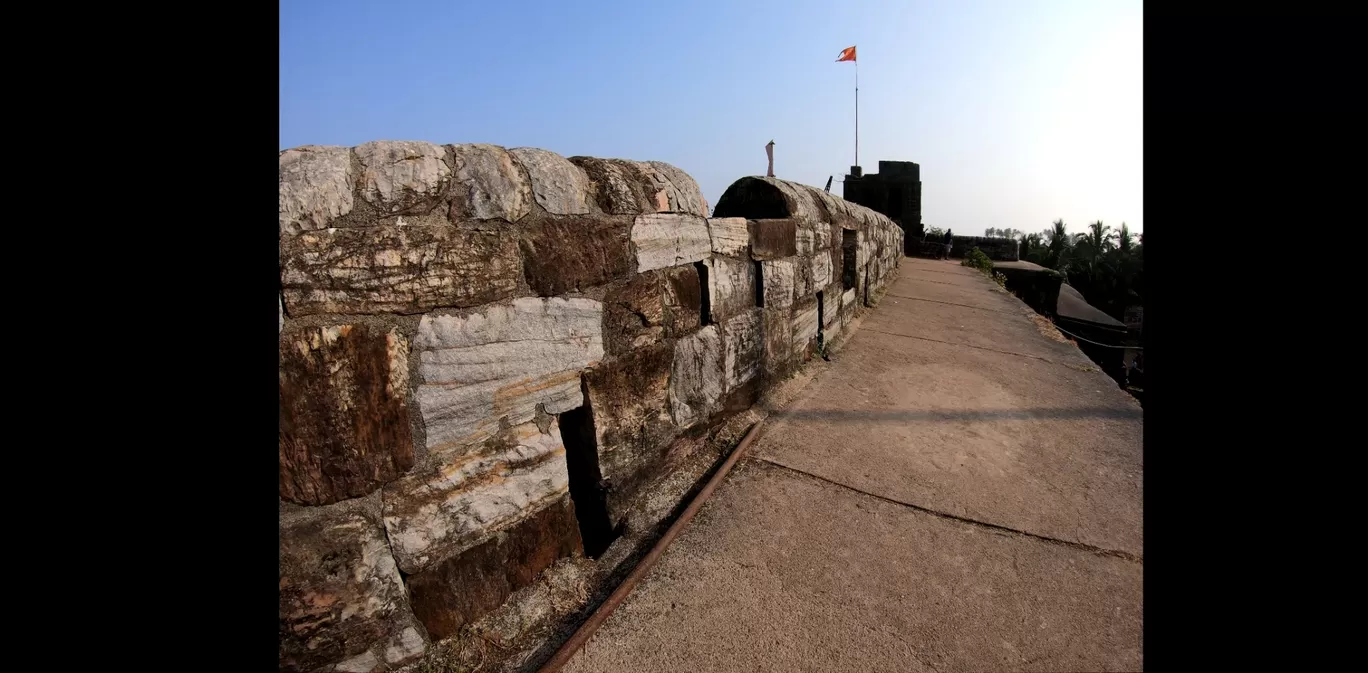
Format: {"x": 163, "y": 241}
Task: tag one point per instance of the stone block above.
{"x": 838, "y": 209}
{"x": 344, "y": 421}
{"x": 731, "y": 287}
{"x": 822, "y": 270}
{"x": 402, "y": 176}
{"x": 696, "y": 376}
{"x": 572, "y": 254}
{"x": 620, "y": 188}
{"x": 342, "y": 601}
{"x": 487, "y": 184}
{"x": 730, "y": 236}
{"x": 630, "y": 400}
{"x": 682, "y": 294}
{"x": 664, "y": 303}
{"x": 831, "y": 306}
{"x": 805, "y": 238}
{"x": 456, "y": 501}
{"x": 803, "y": 327}
{"x": 743, "y": 348}
{"x": 559, "y": 186}
{"x": 664, "y": 240}
{"x": 464, "y": 588}
{"x": 494, "y": 366}
{"x": 803, "y": 285}
{"x": 822, "y": 236}
{"x": 396, "y": 269}
{"x": 779, "y": 281}
{"x": 681, "y": 189}
{"x": 315, "y": 187}
{"x": 778, "y": 347}
{"x": 773, "y": 239}
{"x": 801, "y": 203}
{"x": 849, "y": 304}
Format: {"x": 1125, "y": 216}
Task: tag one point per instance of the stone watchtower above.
{"x": 895, "y": 191}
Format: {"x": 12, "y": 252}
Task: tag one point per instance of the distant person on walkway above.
{"x": 947, "y": 242}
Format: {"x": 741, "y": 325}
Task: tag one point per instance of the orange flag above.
{"x": 847, "y": 54}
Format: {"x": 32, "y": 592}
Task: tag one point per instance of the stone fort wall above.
{"x": 486, "y": 354}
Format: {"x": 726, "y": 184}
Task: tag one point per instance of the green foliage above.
{"x": 1000, "y": 279}
{"x": 933, "y": 233}
{"x": 977, "y": 260}
{"x": 1106, "y": 266}
{"x": 992, "y": 232}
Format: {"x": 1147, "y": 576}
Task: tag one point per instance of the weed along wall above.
{"x": 487, "y": 355}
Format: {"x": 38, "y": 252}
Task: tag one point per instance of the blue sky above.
{"x": 1018, "y": 112}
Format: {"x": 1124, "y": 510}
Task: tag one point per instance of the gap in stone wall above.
{"x": 866, "y": 286}
{"x": 586, "y": 479}
{"x": 849, "y": 241}
{"x": 704, "y": 305}
{"x": 821, "y": 317}
{"x": 759, "y": 284}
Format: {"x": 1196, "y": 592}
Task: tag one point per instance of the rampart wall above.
{"x": 486, "y": 354}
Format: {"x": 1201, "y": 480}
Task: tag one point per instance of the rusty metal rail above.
{"x": 591, "y": 625}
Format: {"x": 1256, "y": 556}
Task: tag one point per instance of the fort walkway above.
{"x": 958, "y": 490}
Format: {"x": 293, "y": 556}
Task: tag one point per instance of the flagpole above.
{"x": 857, "y": 111}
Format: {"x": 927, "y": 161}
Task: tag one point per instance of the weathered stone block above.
{"x": 801, "y": 203}
{"x": 630, "y": 399}
{"x": 831, "y": 306}
{"x": 773, "y": 239}
{"x": 778, "y": 351}
{"x": 831, "y": 312}
{"x": 344, "y": 422}
{"x": 822, "y": 236}
{"x": 805, "y": 238}
{"x": 664, "y": 303}
{"x": 779, "y": 281}
{"x": 803, "y": 285}
{"x": 731, "y": 287}
{"x": 396, "y": 269}
{"x": 682, "y": 294}
{"x": 457, "y": 501}
{"x": 670, "y": 240}
{"x": 837, "y": 256}
{"x": 487, "y": 184}
{"x": 743, "y": 345}
{"x": 402, "y": 176}
{"x": 496, "y": 365}
{"x": 683, "y": 192}
{"x": 696, "y": 376}
{"x": 572, "y": 254}
{"x": 619, "y": 188}
{"x": 803, "y": 326}
{"x": 821, "y": 270}
{"x": 838, "y": 209}
{"x": 341, "y": 598}
{"x": 464, "y": 588}
{"x": 315, "y": 187}
{"x": 560, "y": 187}
{"x": 730, "y": 235}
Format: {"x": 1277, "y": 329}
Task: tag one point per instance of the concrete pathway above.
{"x": 958, "y": 491}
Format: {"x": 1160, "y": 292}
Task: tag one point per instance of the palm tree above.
{"x": 1093, "y": 244}
{"x": 1033, "y": 248}
{"x": 1125, "y": 240}
{"x": 1101, "y": 236}
{"x": 1058, "y": 255}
